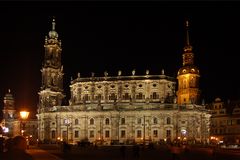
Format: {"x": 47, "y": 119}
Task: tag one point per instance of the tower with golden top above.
{"x": 188, "y": 76}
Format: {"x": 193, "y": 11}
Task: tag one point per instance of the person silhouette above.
{"x": 18, "y": 150}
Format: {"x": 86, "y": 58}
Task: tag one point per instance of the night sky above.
{"x": 112, "y": 36}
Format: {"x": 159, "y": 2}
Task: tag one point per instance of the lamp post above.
{"x": 23, "y": 115}
{"x": 67, "y": 123}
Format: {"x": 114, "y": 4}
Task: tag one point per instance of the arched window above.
{"x": 76, "y": 122}
{"x": 168, "y": 120}
{"x": 91, "y": 121}
{"x": 154, "y": 95}
{"x": 107, "y": 121}
{"x": 155, "y": 120}
{"x": 112, "y": 96}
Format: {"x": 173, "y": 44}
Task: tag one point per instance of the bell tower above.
{"x": 51, "y": 92}
{"x": 188, "y": 76}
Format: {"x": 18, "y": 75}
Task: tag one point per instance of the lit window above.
{"x": 107, "y": 134}
{"x": 123, "y": 133}
{"x": 155, "y": 133}
{"x": 168, "y": 134}
{"x": 91, "y": 121}
{"x": 112, "y": 96}
{"x": 139, "y": 121}
{"x": 91, "y": 134}
{"x": 76, "y": 121}
{"x": 139, "y": 133}
{"x": 155, "y": 120}
{"x": 107, "y": 121}
{"x": 53, "y": 134}
{"x": 123, "y": 121}
{"x": 168, "y": 120}
{"x": 76, "y": 134}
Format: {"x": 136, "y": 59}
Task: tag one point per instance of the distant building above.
{"x": 225, "y": 121}
{"x": 121, "y": 108}
{"x": 12, "y": 123}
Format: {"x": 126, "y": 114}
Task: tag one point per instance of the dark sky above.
{"x": 112, "y": 36}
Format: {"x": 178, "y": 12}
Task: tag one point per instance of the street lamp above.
{"x": 67, "y": 123}
{"x": 23, "y": 115}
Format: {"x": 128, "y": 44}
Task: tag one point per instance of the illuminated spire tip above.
{"x": 53, "y": 24}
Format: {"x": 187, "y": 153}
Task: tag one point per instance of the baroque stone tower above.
{"x": 51, "y": 92}
{"x": 9, "y": 110}
{"x": 188, "y": 76}
{"x": 10, "y": 115}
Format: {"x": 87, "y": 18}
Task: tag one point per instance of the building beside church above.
{"x": 225, "y": 121}
{"x": 121, "y": 108}
{"x": 12, "y": 124}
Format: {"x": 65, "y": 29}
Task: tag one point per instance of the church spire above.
{"x": 188, "y": 76}
{"x": 188, "y": 56}
{"x": 187, "y": 32}
{"x": 53, "y": 34}
{"x": 188, "y": 47}
{"x": 53, "y": 24}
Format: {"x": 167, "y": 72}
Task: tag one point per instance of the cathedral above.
{"x": 121, "y": 109}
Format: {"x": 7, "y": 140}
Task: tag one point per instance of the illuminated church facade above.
{"x": 122, "y": 108}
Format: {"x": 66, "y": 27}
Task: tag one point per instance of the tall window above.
{"x": 99, "y": 97}
{"x": 122, "y": 120}
{"x": 112, "y": 96}
{"x": 139, "y": 133}
{"x": 155, "y": 120}
{"x": 168, "y": 120}
{"x": 139, "y": 96}
{"x": 86, "y": 98}
{"x": 76, "y": 134}
{"x": 107, "y": 121}
{"x": 91, "y": 134}
{"x": 76, "y": 121}
{"x": 154, "y": 95}
{"x": 168, "y": 135}
{"x": 91, "y": 121}
{"x": 139, "y": 121}
{"x": 53, "y": 134}
{"x": 107, "y": 134}
{"x": 123, "y": 133}
{"x": 155, "y": 133}
{"x": 126, "y": 96}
